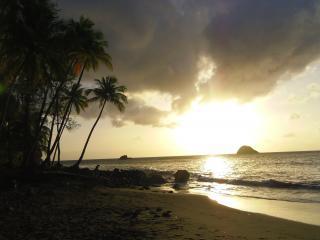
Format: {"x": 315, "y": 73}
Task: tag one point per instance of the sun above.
{"x": 218, "y": 127}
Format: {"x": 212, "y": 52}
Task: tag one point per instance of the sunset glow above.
{"x": 218, "y": 127}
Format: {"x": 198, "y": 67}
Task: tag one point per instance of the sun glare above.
{"x": 218, "y": 127}
{"x": 217, "y": 166}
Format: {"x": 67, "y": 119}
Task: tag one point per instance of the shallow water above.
{"x": 287, "y": 177}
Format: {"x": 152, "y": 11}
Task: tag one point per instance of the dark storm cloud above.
{"x": 256, "y": 42}
{"x": 136, "y": 111}
{"x": 156, "y": 45}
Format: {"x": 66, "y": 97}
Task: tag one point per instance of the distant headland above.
{"x": 246, "y": 150}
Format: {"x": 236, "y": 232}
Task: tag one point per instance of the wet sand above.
{"x": 198, "y": 217}
{"x": 73, "y": 210}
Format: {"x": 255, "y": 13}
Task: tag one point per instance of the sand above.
{"x": 198, "y": 217}
{"x": 71, "y": 210}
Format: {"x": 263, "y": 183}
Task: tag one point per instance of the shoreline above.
{"x": 307, "y": 213}
{"x": 80, "y": 209}
{"x": 303, "y": 212}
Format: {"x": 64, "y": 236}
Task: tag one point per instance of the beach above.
{"x": 77, "y": 209}
{"x": 168, "y": 119}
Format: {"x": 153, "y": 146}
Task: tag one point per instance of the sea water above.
{"x": 280, "y": 184}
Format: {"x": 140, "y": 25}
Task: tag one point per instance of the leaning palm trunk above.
{"x": 65, "y": 124}
{"x": 26, "y": 135}
{"x": 46, "y": 113}
{"x": 60, "y": 129}
{"x": 5, "y": 110}
{"x": 59, "y": 154}
{"x": 57, "y": 150}
{"x": 77, "y": 164}
{"x": 64, "y": 118}
{"x": 38, "y": 129}
{"x": 50, "y": 137}
{"x": 58, "y": 143}
{"x": 43, "y": 104}
{"x": 55, "y": 97}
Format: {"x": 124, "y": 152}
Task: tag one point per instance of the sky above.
{"x": 204, "y": 77}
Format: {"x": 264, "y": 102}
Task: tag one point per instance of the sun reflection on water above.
{"x": 217, "y": 166}
{"x": 220, "y": 168}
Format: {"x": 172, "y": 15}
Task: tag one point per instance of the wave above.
{"x": 271, "y": 183}
{"x": 196, "y": 176}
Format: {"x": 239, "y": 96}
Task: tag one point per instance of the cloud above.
{"x": 256, "y": 43}
{"x": 137, "y": 112}
{"x": 289, "y": 135}
{"x": 154, "y": 46}
{"x": 140, "y": 113}
{"x": 157, "y": 46}
{"x": 295, "y": 116}
{"x": 314, "y": 90}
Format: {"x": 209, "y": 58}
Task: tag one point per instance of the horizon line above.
{"x": 195, "y": 155}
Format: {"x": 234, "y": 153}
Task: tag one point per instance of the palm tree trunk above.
{"x": 5, "y": 110}
{"x": 59, "y": 153}
{"x": 65, "y": 124}
{"x": 56, "y": 150}
{"x": 64, "y": 118}
{"x": 53, "y": 100}
{"x": 60, "y": 130}
{"x": 89, "y": 136}
{"x": 58, "y": 144}
{"x": 56, "y": 95}
{"x": 50, "y": 138}
{"x": 27, "y": 133}
{"x": 54, "y": 156}
{"x": 43, "y": 104}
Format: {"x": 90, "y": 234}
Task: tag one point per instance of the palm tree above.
{"x": 107, "y": 90}
{"x": 79, "y": 101}
{"x": 88, "y": 50}
{"x": 88, "y": 44}
{"x": 28, "y": 48}
{"x": 75, "y": 94}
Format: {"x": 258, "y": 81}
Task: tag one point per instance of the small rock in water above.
{"x": 166, "y": 214}
{"x": 181, "y": 176}
{"x": 155, "y": 179}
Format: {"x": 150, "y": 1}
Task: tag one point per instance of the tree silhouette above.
{"x": 107, "y": 90}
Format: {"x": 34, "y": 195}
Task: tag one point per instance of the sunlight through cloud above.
{"x": 218, "y": 127}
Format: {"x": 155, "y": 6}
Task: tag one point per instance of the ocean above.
{"x": 284, "y": 184}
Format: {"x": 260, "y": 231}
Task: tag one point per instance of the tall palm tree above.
{"x": 107, "y": 90}
{"x": 88, "y": 50}
{"x": 88, "y": 44}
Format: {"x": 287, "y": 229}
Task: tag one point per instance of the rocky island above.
{"x": 246, "y": 150}
{"x": 124, "y": 157}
